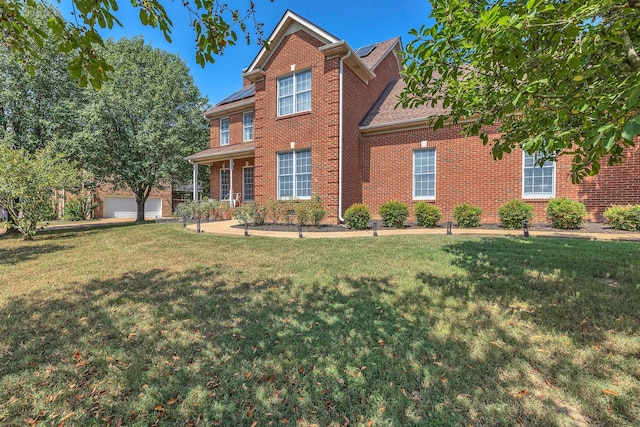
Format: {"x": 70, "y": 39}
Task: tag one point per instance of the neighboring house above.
{"x": 122, "y": 203}
{"x": 316, "y": 116}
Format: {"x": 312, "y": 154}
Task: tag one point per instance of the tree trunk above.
{"x": 140, "y": 206}
{"x": 142, "y": 194}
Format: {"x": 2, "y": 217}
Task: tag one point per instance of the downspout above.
{"x": 231, "y": 183}
{"x": 195, "y": 181}
{"x": 340, "y": 136}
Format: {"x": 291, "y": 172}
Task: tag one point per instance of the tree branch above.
{"x": 632, "y": 55}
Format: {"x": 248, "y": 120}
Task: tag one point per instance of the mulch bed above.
{"x": 588, "y": 227}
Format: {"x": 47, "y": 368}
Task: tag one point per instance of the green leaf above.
{"x": 633, "y": 99}
{"x": 574, "y": 62}
{"x": 631, "y": 129}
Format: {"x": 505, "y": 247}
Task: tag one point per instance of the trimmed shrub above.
{"x": 250, "y": 213}
{"x": 466, "y": 215}
{"x": 565, "y": 213}
{"x": 275, "y": 211}
{"x": 357, "y": 216}
{"x": 427, "y": 215}
{"x": 394, "y": 214}
{"x": 625, "y": 217}
{"x": 316, "y": 211}
{"x": 514, "y": 212}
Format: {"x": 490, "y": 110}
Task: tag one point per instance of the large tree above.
{"x": 215, "y": 23}
{"x": 559, "y": 77}
{"x": 37, "y": 109}
{"x": 143, "y": 122}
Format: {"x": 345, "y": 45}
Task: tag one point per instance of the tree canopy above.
{"x": 215, "y": 23}
{"x": 143, "y": 123}
{"x": 558, "y": 77}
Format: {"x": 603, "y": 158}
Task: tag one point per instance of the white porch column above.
{"x": 231, "y": 182}
{"x": 195, "y": 182}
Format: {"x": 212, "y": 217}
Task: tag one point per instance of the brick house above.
{"x": 316, "y": 116}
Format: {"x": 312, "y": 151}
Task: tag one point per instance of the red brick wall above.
{"x": 619, "y": 184}
{"x": 467, "y": 173}
{"x": 316, "y": 129}
{"x": 235, "y": 128}
{"x": 359, "y": 97}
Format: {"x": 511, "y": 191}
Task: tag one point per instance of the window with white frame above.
{"x": 224, "y": 131}
{"x": 247, "y": 184}
{"x": 424, "y": 174}
{"x": 224, "y": 184}
{"x": 294, "y": 93}
{"x": 538, "y": 180}
{"x": 294, "y": 175}
{"x": 247, "y": 126}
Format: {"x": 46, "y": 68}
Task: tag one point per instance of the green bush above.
{"x": 78, "y": 209}
{"x": 514, "y": 212}
{"x": 250, "y": 213}
{"x": 565, "y": 213}
{"x": 427, "y": 215}
{"x": 185, "y": 210}
{"x": 315, "y": 211}
{"x": 623, "y": 217}
{"x": 394, "y": 214}
{"x": 275, "y": 211}
{"x": 467, "y": 216}
{"x": 357, "y": 216}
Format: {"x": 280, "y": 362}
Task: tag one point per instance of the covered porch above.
{"x": 232, "y": 172}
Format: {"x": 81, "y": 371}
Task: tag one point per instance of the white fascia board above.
{"x": 288, "y": 19}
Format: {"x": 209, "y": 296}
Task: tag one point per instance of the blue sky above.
{"x": 358, "y": 22}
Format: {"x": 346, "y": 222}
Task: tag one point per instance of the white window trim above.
{"x": 253, "y": 184}
{"x": 227, "y": 131}
{"x": 295, "y": 93}
{"x": 413, "y": 174}
{"x": 294, "y": 175}
{"x": 223, "y": 196}
{"x": 253, "y": 122}
{"x": 541, "y": 195}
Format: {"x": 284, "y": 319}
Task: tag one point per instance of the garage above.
{"x": 125, "y": 207}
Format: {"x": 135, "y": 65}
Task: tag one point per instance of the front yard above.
{"x": 151, "y": 325}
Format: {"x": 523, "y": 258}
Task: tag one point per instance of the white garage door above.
{"x": 125, "y": 207}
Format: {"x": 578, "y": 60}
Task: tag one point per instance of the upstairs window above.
{"x": 538, "y": 181}
{"x": 247, "y": 126}
{"x": 294, "y": 93}
{"x": 294, "y": 175}
{"x": 224, "y": 131}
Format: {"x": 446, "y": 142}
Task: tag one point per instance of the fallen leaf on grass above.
{"x": 522, "y": 393}
{"x": 159, "y": 408}
{"x": 610, "y": 392}
{"x": 66, "y": 417}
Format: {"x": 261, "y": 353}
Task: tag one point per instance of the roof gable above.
{"x": 289, "y": 24}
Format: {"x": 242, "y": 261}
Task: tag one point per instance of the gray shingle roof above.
{"x": 384, "y": 111}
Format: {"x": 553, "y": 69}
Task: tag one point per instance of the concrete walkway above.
{"x": 225, "y": 228}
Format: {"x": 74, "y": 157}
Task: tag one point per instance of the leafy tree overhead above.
{"x": 143, "y": 122}
{"x": 558, "y": 77}
{"x": 215, "y": 23}
{"x": 41, "y": 108}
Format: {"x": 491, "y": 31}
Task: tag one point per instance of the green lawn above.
{"x": 152, "y": 325}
